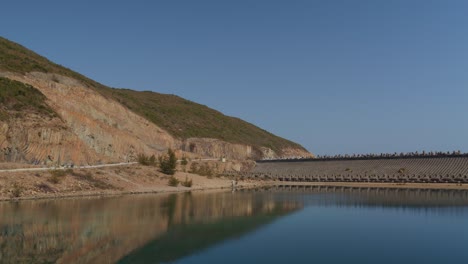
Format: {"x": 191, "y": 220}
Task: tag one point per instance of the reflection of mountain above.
{"x": 185, "y": 240}
{"x": 103, "y": 230}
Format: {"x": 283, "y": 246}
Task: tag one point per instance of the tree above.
{"x": 168, "y": 162}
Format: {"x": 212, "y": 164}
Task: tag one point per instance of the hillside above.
{"x": 16, "y": 98}
{"x": 32, "y": 131}
{"x": 183, "y": 120}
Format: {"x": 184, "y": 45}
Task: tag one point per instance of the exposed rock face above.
{"x": 35, "y": 140}
{"x": 292, "y": 152}
{"x": 93, "y": 129}
{"x": 220, "y": 149}
{"x": 216, "y": 148}
{"x": 106, "y": 127}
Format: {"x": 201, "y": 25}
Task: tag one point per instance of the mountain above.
{"x": 51, "y": 114}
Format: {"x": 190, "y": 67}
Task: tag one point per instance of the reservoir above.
{"x": 280, "y": 224}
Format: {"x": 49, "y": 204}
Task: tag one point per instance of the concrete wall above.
{"x": 416, "y": 169}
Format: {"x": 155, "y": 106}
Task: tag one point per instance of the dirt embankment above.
{"x": 104, "y": 181}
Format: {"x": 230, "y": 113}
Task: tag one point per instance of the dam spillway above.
{"x": 447, "y": 169}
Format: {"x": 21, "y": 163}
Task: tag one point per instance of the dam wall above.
{"x": 447, "y": 169}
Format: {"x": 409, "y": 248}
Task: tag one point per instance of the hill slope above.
{"x": 31, "y": 130}
{"x": 17, "y": 97}
{"x": 183, "y": 119}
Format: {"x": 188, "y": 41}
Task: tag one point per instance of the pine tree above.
{"x": 168, "y": 162}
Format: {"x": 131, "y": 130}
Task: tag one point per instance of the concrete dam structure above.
{"x": 417, "y": 169}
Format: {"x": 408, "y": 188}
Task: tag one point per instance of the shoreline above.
{"x": 122, "y": 193}
{"x": 106, "y": 181}
{"x": 242, "y": 185}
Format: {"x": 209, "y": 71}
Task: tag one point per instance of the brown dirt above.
{"x": 11, "y": 166}
{"x": 103, "y": 181}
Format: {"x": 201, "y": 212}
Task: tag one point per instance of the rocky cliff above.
{"x": 103, "y": 126}
{"x": 92, "y": 123}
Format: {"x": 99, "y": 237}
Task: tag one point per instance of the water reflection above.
{"x": 162, "y": 228}
{"x": 106, "y": 230}
{"x": 369, "y": 197}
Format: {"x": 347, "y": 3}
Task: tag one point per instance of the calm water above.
{"x": 278, "y": 225}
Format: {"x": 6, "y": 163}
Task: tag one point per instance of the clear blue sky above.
{"x": 336, "y": 76}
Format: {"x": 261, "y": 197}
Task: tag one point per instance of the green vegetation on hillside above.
{"x": 181, "y": 118}
{"x": 186, "y": 119}
{"x": 16, "y": 58}
{"x": 19, "y": 97}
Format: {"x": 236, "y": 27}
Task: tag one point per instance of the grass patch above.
{"x": 20, "y": 97}
{"x": 16, "y": 58}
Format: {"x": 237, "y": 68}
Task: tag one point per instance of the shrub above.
{"x": 57, "y": 175}
{"x": 184, "y": 161}
{"x": 187, "y": 182}
{"x": 143, "y": 159}
{"x": 173, "y": 181}
{"x": 146, "y": 160}
{"x": 202, "y": 170}
{"x": 17, "y": 190}
{"x": 168, "y": 163}
{"x": 54, "y": 179}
